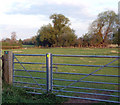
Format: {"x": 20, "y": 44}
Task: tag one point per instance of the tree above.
{"x": 116, "y": 38}
{"x": 56, "y": 34}
{"x": 13, "y": 37}
{"x": 33, "y": 40}
{"x": 20, "y": 42}
{"x": 67, "y": 37}
{"x": 59, "y": 22}
{"x": 7, "y": 40}
{"x": 86, "y": 40}
{"x": 79, "y": 42}
{"x": 104, "y": 27}
{"x": 46, "y": 36}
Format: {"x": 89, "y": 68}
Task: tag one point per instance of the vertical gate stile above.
{"x": 49, "y": 72}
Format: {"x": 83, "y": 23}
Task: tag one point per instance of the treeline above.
{"x": 57, "y": 34}
{"x": 11, "y": 43}
{"x": 101, "y": 32}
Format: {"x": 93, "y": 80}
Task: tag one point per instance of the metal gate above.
{"x": 29, "y": 74}
{"x": 61, "y": 84}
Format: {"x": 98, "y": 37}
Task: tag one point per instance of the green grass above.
{"x": 74, "y": 51}
{"x": 71, "y": 69}
{"x": 19, "y": 96}
{"x": 27, "y": 46}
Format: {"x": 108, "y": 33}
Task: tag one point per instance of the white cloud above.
{"x": 7, "y": 5}
{"x": 27, "y": 25}
{"x": 24, "y": 25}
{"x": 68, "y": 2}
{"x": 81, "y": 27}
{"x": 22, "y": 31}
{"x": 27, "y": 20}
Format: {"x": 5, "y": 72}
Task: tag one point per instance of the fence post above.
{"x": 49, "y": 72}
{"x": 8, "y": 67}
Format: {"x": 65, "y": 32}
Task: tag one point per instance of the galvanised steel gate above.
{"x": 61, "y": 84}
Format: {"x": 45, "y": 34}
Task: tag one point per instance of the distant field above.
{"x": 70, "y": 69}
{"x": 74, "y": 51}
{"x": 27, "y": 46}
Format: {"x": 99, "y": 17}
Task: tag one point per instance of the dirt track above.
{"x": 88, "y": 96}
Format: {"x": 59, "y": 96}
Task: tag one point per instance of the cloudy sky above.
{"x": 25, "y": 17}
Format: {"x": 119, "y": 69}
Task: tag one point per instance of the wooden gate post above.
{"x": 8, "y": 67}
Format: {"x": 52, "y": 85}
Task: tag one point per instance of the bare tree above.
{"x": 104, "y": 26}
{"x": 13, "y": 36}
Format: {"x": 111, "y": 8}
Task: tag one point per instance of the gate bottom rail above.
{"x": 92, "y": 99}
{"x": 69, "y": 86}
{"x": 70, "y": 91}
{"x": 87, "y": 93}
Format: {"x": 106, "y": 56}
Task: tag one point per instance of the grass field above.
{"x": 70, "y": 69}
{"x": 27, "y": 46}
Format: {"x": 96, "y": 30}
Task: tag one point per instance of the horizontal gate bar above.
{"x": 68, "y": 80}
{"x": 30, "y": 63}
{"x": 86, "y": 74}
{"x": 87, "y": 98}
{"x": 29, "y": 87}
{"x": 85, "y": 65}
{"x": 86, "y": 93}
{"x": 95, "y": 56}
{"x": 69, "y": 91}
{"x": 32, "y": 93}
{"x": 81, "y": 98}
{"x": 87, "y": 81}
{"x": 28, "y": 83}
{"x": 27, "y": 77}
{"x": 70, "y": 73}
{"x": 30, "y": 70}
{"x": 69, "y": 86}
{"x": 29, "y": 54}
{"x": 68, "y": 64}
{"x": 87, "y": 88}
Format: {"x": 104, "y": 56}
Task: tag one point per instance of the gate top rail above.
{"x": 96, "y": 56}
{"x": 30, "y": 54}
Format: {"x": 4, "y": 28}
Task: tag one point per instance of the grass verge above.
{"x": 17, "y": 95}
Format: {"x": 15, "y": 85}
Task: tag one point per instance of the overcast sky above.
{"x": 25, "y": 17}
